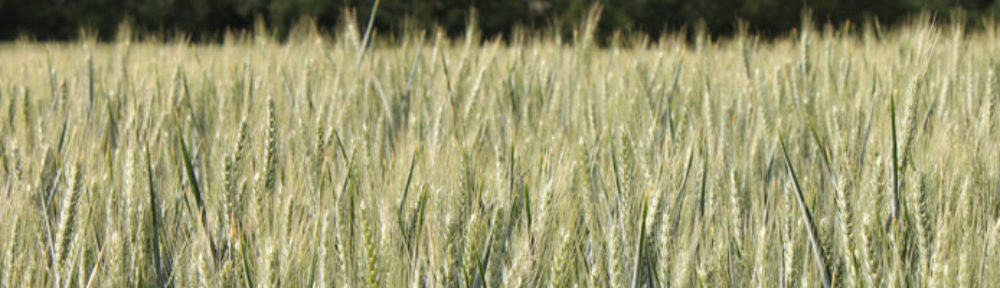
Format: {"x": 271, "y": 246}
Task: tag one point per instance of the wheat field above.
{"x": 850, "y": 157}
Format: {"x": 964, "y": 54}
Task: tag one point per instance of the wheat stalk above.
{"x": 64, "y": 232}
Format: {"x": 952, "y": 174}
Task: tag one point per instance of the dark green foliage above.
{"x": 208, "y": 20}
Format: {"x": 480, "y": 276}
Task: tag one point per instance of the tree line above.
{"x": 208, "y": 20}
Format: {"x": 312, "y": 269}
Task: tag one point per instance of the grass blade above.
{"x": 641, "y": 243}
{"x": 807, "y": 217}
{"x": 679, "y": 200}
{"x": 154, "y": 209}
{"x": 368, "y": 32}
{"x": 195, "y": 191}
{"x": 895, "y": 162}
{"x": 402, "y": 204}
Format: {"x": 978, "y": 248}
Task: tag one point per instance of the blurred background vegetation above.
{"x": 208, "y": 20}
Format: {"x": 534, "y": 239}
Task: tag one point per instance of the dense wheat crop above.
{"x": 827, "y": 157}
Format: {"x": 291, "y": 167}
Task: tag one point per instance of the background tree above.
{"x": 206, "y": 20}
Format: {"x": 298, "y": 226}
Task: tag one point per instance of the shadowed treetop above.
{"x": 207, "y": 20}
